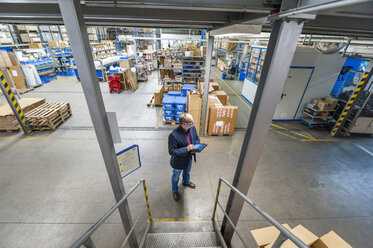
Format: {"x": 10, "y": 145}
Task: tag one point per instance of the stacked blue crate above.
{"x": 169, "y": 108}
{"x": 180, "y": 106}
{"x": 186, "y": 88}
{"x": 174, "y": 93}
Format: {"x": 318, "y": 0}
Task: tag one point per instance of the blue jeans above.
{"x": 176, "y": 174}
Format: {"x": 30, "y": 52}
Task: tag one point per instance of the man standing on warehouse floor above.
{"x": 180, "y": 146}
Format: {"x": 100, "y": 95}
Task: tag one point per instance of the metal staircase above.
{"x": 180, "y": 234}
{"x": 183, "y": 234}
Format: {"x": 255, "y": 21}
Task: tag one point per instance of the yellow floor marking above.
{"x": 239, "y": 97}
{"x": 159, "y": 118}
{"x": 302, "y": 135}
{"x": 308, "y": 137}
{"x": 180, "y": 219}
{"x": 296, "y": 133}
{"x": 287, "y": 135}
{"x": 320, "y": 140}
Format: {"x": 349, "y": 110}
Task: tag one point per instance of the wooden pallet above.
{"x": 170, "y": 122}
{"x": 220, "y": 134}
{"x": 10, "y": 130}
{"x": 23, "y": 91}
{"x": 48, "y": 116}
{"x": 152, "y": 104}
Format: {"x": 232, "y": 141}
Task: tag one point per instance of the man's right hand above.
{"x": 190, "y": 147}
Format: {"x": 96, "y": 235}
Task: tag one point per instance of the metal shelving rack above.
{"x": 256, "y": 61}
{"x": 61, "y": 56}
{"x": 193, "y": 68}
{"x": 312, "y": 118}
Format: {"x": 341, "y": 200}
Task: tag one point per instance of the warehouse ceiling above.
{"x": 351, "y": 20}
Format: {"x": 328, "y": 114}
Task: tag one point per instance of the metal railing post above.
{"x": 284, "y": 233}
{"x": 89, "y": 243}
{"x": 216, "y": 199}
{"x": 147, "y": 200}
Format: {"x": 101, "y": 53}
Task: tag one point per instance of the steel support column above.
{"x": 210, "y": 46}
{"x": 73, "y": 19}
{"x": 281, "y": 48}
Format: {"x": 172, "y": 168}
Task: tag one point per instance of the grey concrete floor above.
{"x": 54, "y": 186}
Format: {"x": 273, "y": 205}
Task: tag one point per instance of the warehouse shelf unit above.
{"x": 317, "y": 118}
{"x": 255, "y": 63}
{"x": 6, "y": 36}
{"x": 192, "y": 68}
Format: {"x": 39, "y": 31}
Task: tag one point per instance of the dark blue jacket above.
{"x": 177, "y": 147}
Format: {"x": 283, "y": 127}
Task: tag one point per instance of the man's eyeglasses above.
{"x": 190, "y": 122}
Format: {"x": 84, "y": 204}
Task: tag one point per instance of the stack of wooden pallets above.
{"x": 49, "y": 116}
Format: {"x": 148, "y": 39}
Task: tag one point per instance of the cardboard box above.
{"x": 8, "y": 60}
{"x": 223, "y": 97}
{"x": 7, "y": 119}
{"x": 53, "y": 43}
{"x": 197, "y": 52}
{"x": 215, "y": 86}
{"x": 267, "y": 235}
{"x": 203, "y": 50}
{"x": 125, "y": 63}
{"x": 322, "y": 105}
{"x": 332, "y": 103}
{"x": 158, "y": 95}
{"x": 35, "y": 45}
{"x": 246, "y": 48}
{"x": 194, "y": 102}
{"x": 197, "y": 115}
{"x": 222, "y": 119}
{"x": 300, "y": 232}
{"x": 63, "y": 44}
{"x": 5, "y": 59}
{"x": 330, "y": 240}
{"x": 16, "y": 74}
{"x": 212, "y": 86}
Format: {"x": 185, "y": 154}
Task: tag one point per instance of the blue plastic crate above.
{"x": 180, "y": 103}
{"x": 177, "y": 118}
{"x": 169, "y": 112}
{"x": 190, "y": 86}
{"x": 242, "y": 76}
{"x": 186, "y": 88}
{"x": 178, "y": 113}
{"x": 168, "y": 118}
{"x": 44, "y": 79}
{"x": 168, "y": 102}
{"x": 174, "y": 93}
{"x": 70, "y": 72}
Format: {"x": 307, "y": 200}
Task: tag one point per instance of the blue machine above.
{"x": 347, "y": 74}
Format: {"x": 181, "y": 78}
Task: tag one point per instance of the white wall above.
{"x": 327, "y": 69}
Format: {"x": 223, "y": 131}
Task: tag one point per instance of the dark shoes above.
{"x": 176, "y": 196}
{"x": 190, "y": 185}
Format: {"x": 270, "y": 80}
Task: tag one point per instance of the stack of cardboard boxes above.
{"x": 221, "y": 116}
{"x": 35, "y": 45}
{"x": 9, "y": 61}
{"x": 265, "y": 238}
{"x": 324, "y": 106}
{"x": 55, "y": 44}
{"x": 194, "y": 107}
{"x": 8, "y": 121}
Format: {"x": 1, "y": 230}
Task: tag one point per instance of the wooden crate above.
{"x": 49, "y": 116}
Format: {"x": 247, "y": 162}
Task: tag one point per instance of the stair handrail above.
{"x": 284, "y": 233}
{"x": 86, "y": 240}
